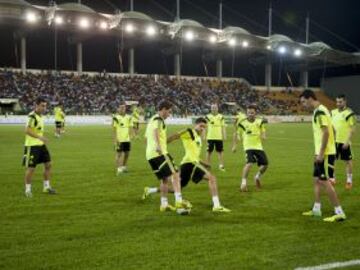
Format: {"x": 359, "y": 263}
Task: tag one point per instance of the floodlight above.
{"x": 129, "y": 28}
{"x": 232, "y": 42}
{"x": 31, "y": 17}
{"x": 298, "y": 52}
{"x": 189, "y": 35}
{"x": 268, "y": 47}
{"x": 150, "y": 30}
{"x": 212, "y": 39}
{"x": 103, "y": 25}
{"x": 84, "y": 23}
{"x": 58, "y": 20}
{"x": 282, "y": 49}
{"x": 245, "y": 44}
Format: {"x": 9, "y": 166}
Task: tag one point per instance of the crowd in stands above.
{"x": 101, "y": 94}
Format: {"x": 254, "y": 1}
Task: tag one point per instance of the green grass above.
{"x": 98, "y": 221}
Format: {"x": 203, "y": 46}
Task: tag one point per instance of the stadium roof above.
{"x": 76, "y": 7}
{"x": 21, "y": 3}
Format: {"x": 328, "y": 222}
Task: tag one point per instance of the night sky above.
{"x": 339, "y": 17}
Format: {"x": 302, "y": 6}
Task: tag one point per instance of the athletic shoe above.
{"x": 183, "y": 204}
{"x": 183, "y": 211}
{"x": 167, "y": 208}
{"x": 222, "y": 168}
{"x": 243, "y": 188}
{"x": 335, "y": 218}
{"x": 146, "y": 193}
{"x": 221, "y": 209}
{"x": 312, "y": 213}
{"x": 332, "y": 181}
{"x": 49, "y": 190}
{"x": 348, "y": 185}
{"x": 28, "y": 194}
{"x": 119, "y": 171}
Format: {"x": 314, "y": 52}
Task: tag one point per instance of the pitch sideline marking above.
{"x": 330, "y": 265}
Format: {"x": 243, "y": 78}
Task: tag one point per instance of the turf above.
{"x": 98, "y": 221}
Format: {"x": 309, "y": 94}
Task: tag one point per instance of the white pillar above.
{"x": 23, "y": 54}
{"x": 79, "y": 64}
{"x": 131, "y": 61}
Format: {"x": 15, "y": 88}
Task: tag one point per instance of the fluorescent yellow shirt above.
{"x": 123, "y": 125}
{"x": 59, "y": 114}
{"x": 251, "y": 133}
{"x": 343, "y": 121}
{"x": 136, "y": 115}
{"x": 155, "y": 122}
{"x": 322, "y": 118}
{"x": 36, "y": 123}
{"x": 239, "y": 117}
{"x": 215, "y": 126}
{"x": 192, "y": 145}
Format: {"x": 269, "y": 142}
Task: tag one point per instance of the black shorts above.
{"x": 123, "y": 147}
{"x": 343, "y": 154}
{"x": 191, "y": 172}
{"x": 217, "y": 144}
{"x": 163, "y": 166}
{"x": 34, "y": 155}
{"x": 59, "y": 124}
{"x": 325, "y": 170}
{"x": 136, "y": 125}
{"x": 256, "y": 156}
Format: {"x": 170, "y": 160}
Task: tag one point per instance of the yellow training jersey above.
{"x": 36, "y": 123}
{"x": 239, "y": 117}
{"x": 322, "y": 118}
{"x": 155, "y": 122}
{"x": 251, "y": 133}
{"x": 59, "y": 114}
{"x": 135, "y": 115}
{"x": 122, "y": 125}
{"x": 192, "y": 145}
{"x": 215, "y": 126}
{"x": 343, "y": 121}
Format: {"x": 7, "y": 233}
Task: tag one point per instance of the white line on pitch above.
{"x": 331, "y": 265}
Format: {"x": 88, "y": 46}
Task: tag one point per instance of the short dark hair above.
{"x": 252, "y": 107}
{"x": 200, "y": 120}
{"x": 40, "y": 100}
{"x": 308, "y": 93}
{"x": 164, "y": 104}
{"x": 342, "y": 96}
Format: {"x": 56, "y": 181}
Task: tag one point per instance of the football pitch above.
{"x": 98, "y": 220}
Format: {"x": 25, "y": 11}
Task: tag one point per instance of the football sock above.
{"x": 317, "y": 206}
{"x": 349, "y": 178}
{"x": 178, "y": 197}
{"x": 216, "y": 201}
{"x": 243, "y": 181}
{"x": 338, "y": 210}
{"x": 258, "y": 175}
{"x": 46, "y": 184}
{"x": 27, "y": 187}
{"x": 164, "y": 201}
{"x": 153, "y": 190}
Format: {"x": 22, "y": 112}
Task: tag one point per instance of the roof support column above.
{"x": 79, "y": 63}
{"x": 23, "y": 54}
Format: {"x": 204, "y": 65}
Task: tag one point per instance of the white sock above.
{"x": 339, "y": 210}
{"x": 164, "y": 201}
{"x": 27, "y": 187}
{"x": 243, "y": 182}
{"x": 317, "y": 206}
{"x": 349, "y": 178}
{"x": 221, "y": 166}
{"x": 258, "y": 175}
{"x": 46, "y": 184}
{"x": 178, "y": 197}
{"x": 153, "y": 190}
{"x": 216, "y": 201}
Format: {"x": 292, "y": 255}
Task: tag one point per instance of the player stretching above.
{"x": 59, "y": 120}
{"x": 161, "y": 162}
{"x": 252, "y": 131}
{"x": 324, "y": 155}
{"x": 344, "y": 120}
{"x": 122, "y": 130}
{"x": 136, "y": 119}
{"x": 36, "y": 151}
{"x": 216, "y": 135}
{"x": 192, "y": 168}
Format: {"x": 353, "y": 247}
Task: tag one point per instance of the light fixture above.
{"x": 58, "y": 20}
{"x": 151, "y": 30}
{"x": 103, "y": 25}
{"x": 84, "y": 23}
{"x": 212, "y": 39}
{"x": 245, "y": 44}
{"x": 282, "y": 50}
{"x": 31, "y": 17}
{"x": 298, "y": 52}
{"x": 129, "y": 28}
{"x": 189, "y": 35}
{"x": 232, "y": 42}
{"x": 268, "y": 47}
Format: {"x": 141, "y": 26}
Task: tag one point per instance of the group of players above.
{"x": 332, "y": 138}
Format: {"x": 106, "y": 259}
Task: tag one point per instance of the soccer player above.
{"x": 324, "y": 156}
{"x": 192, "y": 168}
{"x": 344, "y": 120}
{"x": 238, "y": 118}
{"x": 59, "y": 120}
{"x": 136, "y": 119}
{"x": 216, "y": 135}
{"x": 252, "y": 131}
{"x": 122, "y": 133}
{"x": 161, "y": 162}
{"x": 36, "y": 151}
